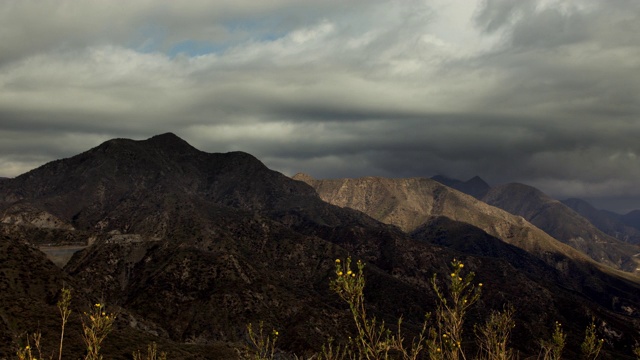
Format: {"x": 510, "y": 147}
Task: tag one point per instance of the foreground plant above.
{"x": 446, "y": 339}
{"x": 28, "y": 352}
{"x": 261, "y": 345}
{"x": 96, "y": 325}
{"x": 493, "y": 337}
{"x": 152, "y": 353}
{"x": 373, "y": 339}
{"x": 591, "y": 345}
{"x": 552, "y": 349}
{"x": 64, "y": 307}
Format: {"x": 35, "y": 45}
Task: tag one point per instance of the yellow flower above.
{"x": 337, "y": 261}
{"x": 438, "y": 350}
{"x": 353, "y": 275}
{"x": 349, "y": 272}
{"x": 453, "y": 275}
{"x": 97, "y": 305}
{"x": 27, "y": 347}
{"x": 459, "y": 279}
{"x": 480, "y": 284}
{"x": 339, "y": 273}
{"x": 461, "y": 265}
{"x": 444, "y": 336}
{"x": 104, "y": 313}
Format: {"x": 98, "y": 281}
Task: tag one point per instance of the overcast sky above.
{"x": 540, "y": 92}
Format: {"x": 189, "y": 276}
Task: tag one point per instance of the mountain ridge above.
{"x": 564, "y": 224}
{"x": 408, "y": 203}
{"x": 475, "y": 186}
{"x": 608, "y": 222}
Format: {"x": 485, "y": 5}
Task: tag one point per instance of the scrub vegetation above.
{"x": 441, "y": 336}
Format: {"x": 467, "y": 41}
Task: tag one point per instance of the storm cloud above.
{"x": 540, "y": 92}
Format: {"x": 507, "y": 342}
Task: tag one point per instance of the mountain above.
{"x": 408, "y": 203}
{"x": 564, "y": 224}
{"x": 632, "y": 219}
{"x": 475, "y": 186}
{"x": 201, "y": 244}
{"x": 608, "y": 222}
{"x": 192, "y": 246}
{"x": 559, "y": 222}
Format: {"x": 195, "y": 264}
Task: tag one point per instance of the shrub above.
{"x": 261, "y": 345}
{"x": 493, "y": 337}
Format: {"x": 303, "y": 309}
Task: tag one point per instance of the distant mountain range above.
{"x": 408, "y": 203}
{"x": 622, "y": 227}
{"x": 191, "y": 246}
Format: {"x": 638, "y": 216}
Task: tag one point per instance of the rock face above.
{"x": 193, "y": 246}
{"x": 25, "y": 216}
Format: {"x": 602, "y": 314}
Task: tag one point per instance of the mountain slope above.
{"x": 408, "y": 203}
{"x": 29, "y": 290}
{"x": 564, "y": 224}
{"x": 632, "y": 219}
{"x": 608, "y": 222}
{"x": 531, "y": 281}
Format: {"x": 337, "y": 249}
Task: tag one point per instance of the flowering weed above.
{"x": 262, "y": 345}
{"x": 96, "y": 325}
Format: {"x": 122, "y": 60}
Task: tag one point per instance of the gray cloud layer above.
{"x": 541, "y": 92}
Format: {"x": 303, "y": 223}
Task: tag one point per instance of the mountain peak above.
{"x": 170, "y": 141}
{"x": 302, "y": 177}
{"x": 477, "y": 180}
{"x": 445, "y": 180}
{"x": 475, "y": 186}
{"x": 168, "y": 136}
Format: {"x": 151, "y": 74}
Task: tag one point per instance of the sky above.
{"x": 540, "y": 92}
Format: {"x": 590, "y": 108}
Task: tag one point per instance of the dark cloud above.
{"x": 541, "y": 92}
